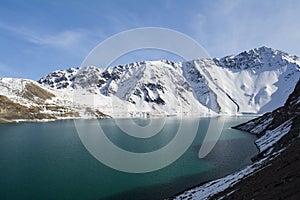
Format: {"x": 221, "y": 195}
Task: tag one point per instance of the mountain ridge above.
{"x": 252, "y": 82}
{"x": 264, "y": 76}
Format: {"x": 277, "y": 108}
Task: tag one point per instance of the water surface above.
{"x": 48, "y": 161}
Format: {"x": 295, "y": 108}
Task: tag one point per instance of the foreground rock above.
{"x": 278, "y": 178}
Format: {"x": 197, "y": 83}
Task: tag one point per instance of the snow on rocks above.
{"x": 254, "y": 81}
{"x": 208, "y": 190}
{"x": 213, "y": 187}
{"x": 271, "y": 137}
{"x": 276, "y": 131}
{"x": 39, "y": 103}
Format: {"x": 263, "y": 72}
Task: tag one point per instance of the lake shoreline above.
{"x": 215, "y": 179}
{"x": 4, "y": 120}
{"x": 8, "y": 121}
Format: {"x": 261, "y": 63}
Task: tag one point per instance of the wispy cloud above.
{"x": 66, "y": 39}
{"x": 63, "y": 39}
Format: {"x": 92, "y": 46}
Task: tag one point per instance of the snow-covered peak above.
{"x": 60, "y": 78}
{"x": 262, "y": 58}
{"x": 254, "y": 81}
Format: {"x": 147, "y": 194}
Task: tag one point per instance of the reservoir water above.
{"x": 49, "y": 161}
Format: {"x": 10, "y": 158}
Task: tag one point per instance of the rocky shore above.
{"x": 275, "y": 172}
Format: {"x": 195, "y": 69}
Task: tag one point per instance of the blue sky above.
{"x": 37, "y": 37}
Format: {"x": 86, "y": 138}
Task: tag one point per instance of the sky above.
{"x": 37, "y": 37}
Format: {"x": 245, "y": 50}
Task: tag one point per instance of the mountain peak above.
{"x": 265, "y": 48}
{"x": 262, "y": 58}
{"x": 253, "y": 81}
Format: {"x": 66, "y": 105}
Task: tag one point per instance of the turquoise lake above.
{"x": 49, "y": 161}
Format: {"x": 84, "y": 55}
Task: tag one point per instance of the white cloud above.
{"x": 63, "y": 39}
{"x": 66, "y": 39}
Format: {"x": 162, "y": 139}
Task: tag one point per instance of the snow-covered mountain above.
{"x": 26, "y": 100}
{"x": 254, "y": 81}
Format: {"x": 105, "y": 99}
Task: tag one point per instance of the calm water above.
{"x": 48, "y": 161}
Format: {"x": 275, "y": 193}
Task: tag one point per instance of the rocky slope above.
{"x": 275, "y": 171}
{"x": 26, "y": 100}
{"x": 278, "y": 178}
{"x": 254, "y": 81}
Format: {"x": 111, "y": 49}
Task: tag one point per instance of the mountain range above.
{"x": 253, "y": 82}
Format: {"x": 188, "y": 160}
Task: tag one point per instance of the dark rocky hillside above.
{"x": 279, "y": 178}
{"x": 275, "y": 172}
